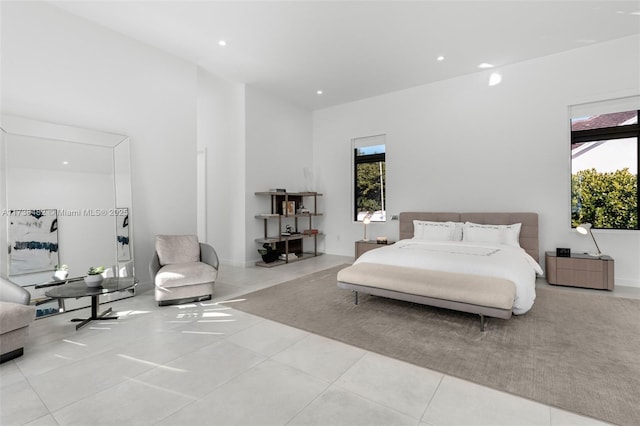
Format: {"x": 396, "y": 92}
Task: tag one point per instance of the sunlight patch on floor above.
{"x": 74, "y": 343}
{"x": 151, "y": 363}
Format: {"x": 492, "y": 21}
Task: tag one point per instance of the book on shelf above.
{"x": 288, "y": 256}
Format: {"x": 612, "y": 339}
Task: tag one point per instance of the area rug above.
{"x": 575, "y": 351}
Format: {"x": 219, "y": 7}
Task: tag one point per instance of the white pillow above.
{"x": 512, "y": 234}
{"x": 433, "y": 231}
{"x": 492, "y": 234}
{"x": 457, "y": 233}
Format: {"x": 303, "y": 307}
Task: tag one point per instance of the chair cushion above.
{"x": 14, "y": 316}
{"x": 182, "y": 274}
{"x": 177, "y": 249}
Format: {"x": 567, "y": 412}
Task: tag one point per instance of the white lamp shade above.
{"x": 584, "y": 228}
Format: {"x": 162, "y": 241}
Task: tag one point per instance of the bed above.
{"x": 482, "y": 263}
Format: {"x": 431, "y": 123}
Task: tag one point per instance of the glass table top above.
{"x": 79, "y": 288}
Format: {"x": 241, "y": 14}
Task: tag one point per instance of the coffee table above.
{"x": 80, "y": 289}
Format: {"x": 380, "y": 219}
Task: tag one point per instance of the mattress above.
{"x": 482, "y": 259}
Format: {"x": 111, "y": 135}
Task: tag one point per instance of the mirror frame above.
{"x": 21, "y": 126}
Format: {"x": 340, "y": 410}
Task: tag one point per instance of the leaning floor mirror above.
{"x": 65, "y": 199}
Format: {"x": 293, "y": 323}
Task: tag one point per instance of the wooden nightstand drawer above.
{"x": 595, "y": 265}
{"x": 580, "y": 278}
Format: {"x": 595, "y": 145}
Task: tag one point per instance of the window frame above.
{"x": 606, "y": 134}
{"x": 367, "y": 159}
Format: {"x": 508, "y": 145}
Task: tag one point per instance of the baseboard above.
{"x": 627, "y": 283}
{"x": 239, "y": 263}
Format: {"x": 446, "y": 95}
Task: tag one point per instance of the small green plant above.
{"x": 266, "y": 248}
{"x": 95, "y": 270}
{"x": 62, "y": 268}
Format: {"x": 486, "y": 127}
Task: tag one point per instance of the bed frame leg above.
{"x": 355, "y": 299}
{"x": 481, "y": 322}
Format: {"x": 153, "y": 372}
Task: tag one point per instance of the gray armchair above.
{"x": 15, "y": 317}
{"x": 183, "y": 269}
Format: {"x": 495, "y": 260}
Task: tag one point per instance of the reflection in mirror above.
{"x": 72, "y": 181}
{"x": 122, "y": 180}
{"x": 66, "y": 199}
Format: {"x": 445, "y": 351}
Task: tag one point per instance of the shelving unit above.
{"x": 301, "y": 224}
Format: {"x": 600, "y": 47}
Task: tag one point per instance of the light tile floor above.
{"x": 209, "y": 364}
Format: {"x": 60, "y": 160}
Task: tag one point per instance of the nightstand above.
{"x": 364, "y": 246}
{"x": 580, "y": 270}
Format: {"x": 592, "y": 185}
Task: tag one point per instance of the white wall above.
{"x": 460, "y": 145}
{"x": 63, "y": 69}
{"x": 278, "y": 151}
{"x": 221, "y": 120}
{"x": 4, "y": 256}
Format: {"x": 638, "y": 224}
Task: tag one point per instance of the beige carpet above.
{"x": 576, "y": 351}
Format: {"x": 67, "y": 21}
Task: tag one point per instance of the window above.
{"x": 369, "y": 171}
{"x": 604, "y": 169}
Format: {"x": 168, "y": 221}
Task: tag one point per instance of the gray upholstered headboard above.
{"x": 528, "y": 232}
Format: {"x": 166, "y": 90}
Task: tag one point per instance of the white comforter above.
{"x": 494, "y": 260}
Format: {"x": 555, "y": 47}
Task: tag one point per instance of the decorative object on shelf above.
{"x": 585, "y": 229}
{"x": 288, "y": 230}
{"x": 288, "y": 208}
{"x": 268, "y": 253}
{"x": 381, "y": 240}
{"x": 365, "y": 221}
{"x": 277, "y": 190}
{"x": 94, "y": 276}
{"x": 61, "y": 272}
{"x": 563, "y": 252}
{"x": 288, "y": 256}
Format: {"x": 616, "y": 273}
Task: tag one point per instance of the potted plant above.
{"x": 61, "y": 272}
{"x": 268, "y": 253}
{"x": 94, "y": 276}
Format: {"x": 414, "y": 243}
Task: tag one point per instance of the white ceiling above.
{"x": 357, "y": 49}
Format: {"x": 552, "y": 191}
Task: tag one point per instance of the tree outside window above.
{"x": 369, "y": 178}
{"x": 604, "y": 170}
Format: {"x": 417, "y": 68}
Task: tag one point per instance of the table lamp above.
{"x": 585, "y": 229}
{"x": 366, "y": 220}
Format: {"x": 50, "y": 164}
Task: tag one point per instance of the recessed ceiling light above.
{"x": 485, "y": 65}
{"x": 319, "y": 92}
{"x": 222, "y": 43}
{"x": 495, "y": 79}
{"x": 65, "y": 162}
{"x": 440, "y": 58}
